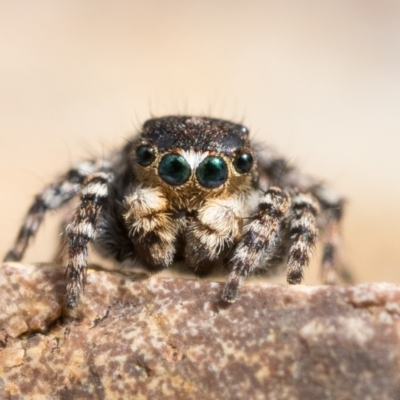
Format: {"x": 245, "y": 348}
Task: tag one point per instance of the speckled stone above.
{"x": 174, "y": 339}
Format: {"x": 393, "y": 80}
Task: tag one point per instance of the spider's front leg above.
{"x": 152, "y": 229}
{"x": 216, "y": 227}
{"x": 258, "y": 235}
{"x": 81, "y": 231}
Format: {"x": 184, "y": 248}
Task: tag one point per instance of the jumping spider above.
{"x": 191, "y": 188}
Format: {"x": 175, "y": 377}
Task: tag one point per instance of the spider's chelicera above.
{"x": 191, "y": 188}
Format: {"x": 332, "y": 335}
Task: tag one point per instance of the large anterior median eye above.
{"x": 243, "y": 163}
{"x": 145, "y": 155}
{"x": 212, "y": 172}
{"x": 174, "y": 169}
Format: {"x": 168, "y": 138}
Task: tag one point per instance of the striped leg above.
{"x": 258, "y": 235}
{"x": 276, "y": 255}
{"x": 332, "y": 264}
{"x": 81, "y": 231}
{"x": 332, "y": 207}
{"x": 304, "y": 232}
{"x": 275, "y": 170}
{"x": 51, "y": 198}
{"x": 330, "y": 241}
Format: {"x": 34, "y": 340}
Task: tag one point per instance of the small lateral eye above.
{"x": 212, "y": 172}
{"x": 243, "y": 163}
{"x": 145, "y": 155}
{"x": 174, "y": 169}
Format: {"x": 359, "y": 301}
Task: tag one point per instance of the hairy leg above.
{"x": 258, "y": 235}
{"x": 81, "y": 231}
{"x": 276, "y": 254}
{"x": 333, "y": 266}
{"x": 276, "y": 170}
{"x": 304, "y": 232}
{"x": 51, "y": 198}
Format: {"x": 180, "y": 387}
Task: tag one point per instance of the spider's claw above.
{"x": 11, "y": 257}
{"x": 70, "y": 302}
{"x": 72, "y": 297}
{"x": 294, "y": 277}
{"x": 232, "y": 288}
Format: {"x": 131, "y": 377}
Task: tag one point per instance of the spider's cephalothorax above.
{"x": 191, "y": 188}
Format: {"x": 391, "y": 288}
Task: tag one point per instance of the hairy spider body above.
{"x": 184, "y": 188}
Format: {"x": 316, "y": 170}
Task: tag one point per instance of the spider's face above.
{"x": 194, "y": 158}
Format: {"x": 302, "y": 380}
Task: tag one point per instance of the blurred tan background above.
{"x": 320, "y": 81}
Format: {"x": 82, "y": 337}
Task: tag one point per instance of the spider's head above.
{"x": 194, "y": 157}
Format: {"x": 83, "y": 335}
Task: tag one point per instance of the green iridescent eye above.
{"x": 243, "y": 163}
{"x": 212, "y": 172}
{"x": 145, "y": 155}
{"x": 174, "y": 169}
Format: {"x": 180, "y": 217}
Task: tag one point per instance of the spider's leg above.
{"x": 330, "y": 242}
{"x": 213, "y": 232}
{"x": 276, "y": 170}
{"x": 332, "y": 263}
{"x": 81, "y": 231}
{"x": 276, "y": 254}
{"x": 51, "y": 198}
{"x": 304, "y": 233}
{"x": 258, "y": 235}
{"x": 152, "y": 228}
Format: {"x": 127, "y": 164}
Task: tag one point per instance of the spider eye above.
{"x": 145, "y": 155}
{"x": 243, "y": 163}
{"x": 212, "y": 172}
{"x": 174, "y": 169}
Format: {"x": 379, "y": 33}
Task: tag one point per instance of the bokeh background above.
{"x": 318, "y": 80}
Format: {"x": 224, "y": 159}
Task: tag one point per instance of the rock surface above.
{"x": 174, "y": 339}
